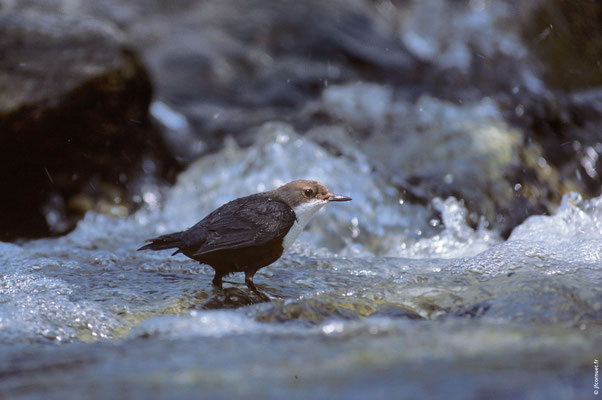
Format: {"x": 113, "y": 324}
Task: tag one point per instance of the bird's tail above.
{"x": 169, "y": 241}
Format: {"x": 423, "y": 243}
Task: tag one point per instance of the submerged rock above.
{"x": 73, "y": 118}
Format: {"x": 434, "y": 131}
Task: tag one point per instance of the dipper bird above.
{"x": 251, "y": 232}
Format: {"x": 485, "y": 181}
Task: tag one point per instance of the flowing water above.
{"x": 379, "y": 298}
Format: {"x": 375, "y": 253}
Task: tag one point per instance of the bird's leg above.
{"x": 251, "y": 286}
{"x": 217, "y": 280}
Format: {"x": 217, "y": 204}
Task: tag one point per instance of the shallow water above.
{"x": 379, "y": 297}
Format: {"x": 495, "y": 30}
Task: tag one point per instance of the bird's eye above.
{"x": 309, "y": 192}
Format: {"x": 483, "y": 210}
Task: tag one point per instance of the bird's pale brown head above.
{"x": 303, "y": 191}
{"x": 305, "y": 198}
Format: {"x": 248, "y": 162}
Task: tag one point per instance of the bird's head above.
{"x": 303, "y": 191}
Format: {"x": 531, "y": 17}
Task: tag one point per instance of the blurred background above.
{"x": 495, "y": 103}
{"x": 468, "y": 133}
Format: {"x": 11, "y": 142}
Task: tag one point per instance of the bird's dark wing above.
{"x": 244, "y": 222}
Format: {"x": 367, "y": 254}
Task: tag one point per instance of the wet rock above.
{"x": 73, "y": 118}
{"x": 230, "y": 66}
{"x": 312, "y": 311}
{"x": 232, "y": 298}
{"x": 503, "y": 165}
{"x": 562, "y": 144}
{"x": 436, "y": 148}
{"x": 567, "y": 38}
{"x": 472, "y": 48}
{"x": 237, "y": 65}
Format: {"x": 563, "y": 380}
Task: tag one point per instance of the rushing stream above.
{"x": 379, "y": 298}
{"x": 467, "y": 132}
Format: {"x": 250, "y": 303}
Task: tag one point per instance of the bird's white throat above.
{"x": 304, "y": 212}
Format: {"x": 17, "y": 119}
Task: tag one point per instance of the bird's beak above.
{"x": 334, "y": 197}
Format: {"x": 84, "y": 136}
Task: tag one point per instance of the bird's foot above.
{"x": 264, "y": 297}
{"x": 217, "y": 282}
{"x": 251, "y": 286}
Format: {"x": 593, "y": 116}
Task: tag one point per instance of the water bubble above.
{"x": 150, "y": 198}
{"x": 519, "y": 110}
{"x": 333, "y": 328}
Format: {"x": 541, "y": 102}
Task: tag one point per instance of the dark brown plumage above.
{"x": 250, "y": 232}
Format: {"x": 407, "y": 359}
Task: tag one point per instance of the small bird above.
{"x": 250, "y": 232}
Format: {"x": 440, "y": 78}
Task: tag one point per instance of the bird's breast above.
{"x": 304, "y": 213}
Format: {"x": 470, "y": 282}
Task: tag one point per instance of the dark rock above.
{"x": 567, "y": 38}
{"x": 231, "y": 66}
{"x": 563, "y": 132}
{"x": 73, "y": 115}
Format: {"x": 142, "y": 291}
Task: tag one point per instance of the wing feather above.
{"x": 249, "y": 221}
